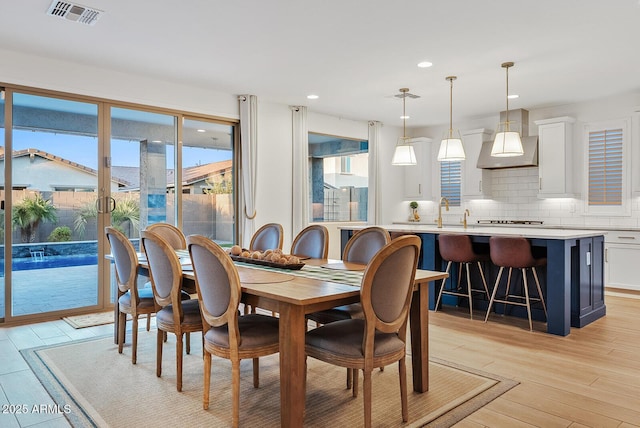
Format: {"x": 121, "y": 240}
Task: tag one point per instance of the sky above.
{"x": 84, "y": 150}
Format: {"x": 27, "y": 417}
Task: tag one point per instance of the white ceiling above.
{"x": 355, "y": 54}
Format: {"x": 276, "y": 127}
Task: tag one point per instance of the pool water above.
{"x": 48, "y": 262}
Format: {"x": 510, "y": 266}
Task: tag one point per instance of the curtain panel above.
{"x": 248, "y": 166}
{"x": 300, "y": 168}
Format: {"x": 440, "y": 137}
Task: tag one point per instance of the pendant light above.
{"x": 507, "y": 142}
{"x": 451, "y": 148}
{"x": 404, "y": 153}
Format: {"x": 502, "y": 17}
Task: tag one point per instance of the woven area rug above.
{"x": 98, "y": 318}
{"x": 103, "y": 389}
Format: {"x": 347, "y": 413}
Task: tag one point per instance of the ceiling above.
{"x": 355, "y": 54}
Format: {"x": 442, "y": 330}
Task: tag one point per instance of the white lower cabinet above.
{"x": 621, "y": 256}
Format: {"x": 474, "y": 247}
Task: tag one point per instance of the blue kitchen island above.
{"x": 574, "y": 279}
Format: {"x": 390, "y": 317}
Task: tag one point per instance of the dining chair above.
{"x": 226, "y": 333}
{"x": 170, "y": 233}
{"x": 177, "y": 316}
{"x": 311, "y": 242}
{"x": 380, "y": 338}
{"x": 131, "y": 300}
{"x": 269, "y": 237}
{"x": 360, "y": 248}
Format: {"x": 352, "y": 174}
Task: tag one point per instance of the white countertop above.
{"x": 482, "y": 230}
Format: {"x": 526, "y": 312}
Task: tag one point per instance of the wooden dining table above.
{"x": 321, "y": 284}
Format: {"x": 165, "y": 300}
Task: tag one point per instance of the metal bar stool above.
{"x": 515, "y": 253}
{"x": 458, "y": 249}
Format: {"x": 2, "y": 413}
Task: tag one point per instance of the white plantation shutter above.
{"x": 606, "y": 167}
{"x": 450, "y": 181}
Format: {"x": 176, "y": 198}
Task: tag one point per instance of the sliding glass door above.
{"x": 54, "y": 183}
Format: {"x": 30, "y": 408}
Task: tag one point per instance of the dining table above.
{"x": 320, "y": 284}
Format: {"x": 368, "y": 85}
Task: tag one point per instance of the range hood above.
{"x": 529, "y": 144}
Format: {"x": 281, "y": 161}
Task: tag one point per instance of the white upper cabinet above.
{"x": 476, "y": 182}
{"x": 417, "y": 178}
{"x": 555, "y": 166}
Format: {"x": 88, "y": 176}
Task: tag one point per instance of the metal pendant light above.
{"x": 507, "y": 141}
{"x": 404, "y": 153}
{"x": 451, "y": 148}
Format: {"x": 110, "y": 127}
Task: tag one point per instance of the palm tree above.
{"x": 29, "y": 213}
{"x": 126, "y": 210}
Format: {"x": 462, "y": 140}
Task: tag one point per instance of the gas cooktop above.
{"x": 536, "y": 222}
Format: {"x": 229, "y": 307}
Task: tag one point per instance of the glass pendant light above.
{"x": 507, "y": 142}
{"x": 451, "y": 148}
{"x": 404, "y": 153}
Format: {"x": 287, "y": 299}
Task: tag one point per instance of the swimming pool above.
{"x": 48, "y": 262}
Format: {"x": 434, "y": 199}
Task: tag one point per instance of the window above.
{"x": 450, "y": 181}
{"x": 607, "y": 181}
{"x": 339, "y": 178}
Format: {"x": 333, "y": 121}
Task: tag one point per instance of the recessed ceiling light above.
{"x": 513, "y": 96}
{"x": 201, "y": 130}
{"x": 425, "y": 64}
{"x": 312, "y": 97}
{"x": 405, "y": 117}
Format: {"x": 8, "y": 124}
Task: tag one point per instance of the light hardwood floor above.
{"x": 590, "y": 378}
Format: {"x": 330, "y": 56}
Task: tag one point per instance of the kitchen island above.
{"x": 574, "y": 278}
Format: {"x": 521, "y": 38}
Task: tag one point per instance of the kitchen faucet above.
{"x": 464, "y": 219}
{"x": 439, "y": 219}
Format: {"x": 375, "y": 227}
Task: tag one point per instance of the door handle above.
{"x": 112, "y": 204}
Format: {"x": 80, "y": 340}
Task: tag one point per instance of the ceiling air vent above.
{"x": 74, "y": 12}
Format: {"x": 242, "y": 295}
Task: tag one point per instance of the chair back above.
{"x": 312, "y": 241}
{"x": 169, "y": 233}
{"x": 456, "y": 248}
{"x": 268, "y": 237}
{"x": 387, "y": 287}
{"x": 364, "y": 244}
{"x": 125, "y": 260}
{"x": 164, "y": 270}
{"x": 511, "y": 251}
{"x": 217, "y": 282}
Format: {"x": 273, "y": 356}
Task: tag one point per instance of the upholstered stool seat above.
{"x": 515, "y": 253}
{"x": 459, "y": 249}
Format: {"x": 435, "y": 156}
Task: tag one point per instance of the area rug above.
{"x": 98, "y": 387}
{"x": 98, "y": 318}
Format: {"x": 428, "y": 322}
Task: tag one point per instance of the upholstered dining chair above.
{"x": 360, "y": 248}
{"x": 312, "y": 242}
{"x": 380, "y": 338}
{"x": 226, "y": 334}
{"x": 131, "y": 300}
{"x": 170, "y": 233}
{"x": 176, "y": 316}
{"x": 269, "y": 237}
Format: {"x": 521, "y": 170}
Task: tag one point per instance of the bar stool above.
{"x": 458, "y": 249}
{"x": 515, "y": 253}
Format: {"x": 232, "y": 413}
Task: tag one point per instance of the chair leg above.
{"x": 207, "y": 379}
{"x": 493, "y": 294}
{"x": 356, "y": 380}
{"x": 159, "y": 340}
{"x": 179, "y": 351}
{"x": 134, "y": 339}
{"x": 402, "y": 368}
{"x": 367, "y": 398}
{"x": 484, "y": 281}
{"x": 122, "y": 324}
{"x": 535, "y": 276}
{"x": 526, "y": 297}
{"x": 148, "y": 322}
{"x": 235, "y": 388}
{"x": 466, "y": 265}
{"x": 349, "y": 378}
{"x": 442, "y": 284}
{"x": 256, "y": 373}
